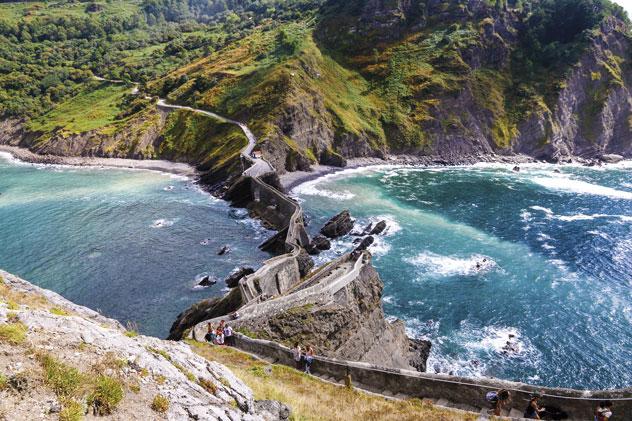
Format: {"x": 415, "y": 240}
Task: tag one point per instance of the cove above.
{"x": 555, "y": 245}
{"x": 127, "y": 243}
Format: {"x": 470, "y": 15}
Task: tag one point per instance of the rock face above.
{"x": 365, "y": 243}
{"x": 233, "y": 279}
{"x": 338, "y": 226}
{"x": 378, "y": 228}
{"x": 83, "y": 339}
{"x": 352, "y": 326}
{"x": 204, "y": 310}
{"x": 318, "y": 244}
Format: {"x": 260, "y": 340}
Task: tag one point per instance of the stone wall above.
{"x": 579, "y": 404}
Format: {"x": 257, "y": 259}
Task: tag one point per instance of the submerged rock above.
{"x": 233, "y": 279}
{"x": 224, "y": 250}
{"x": 338, "y": 226}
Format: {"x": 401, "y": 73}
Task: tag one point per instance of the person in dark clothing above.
{"x": 497, "y": 399}
{"x": 603, "y": 411}
{"x": 533, "y": 410}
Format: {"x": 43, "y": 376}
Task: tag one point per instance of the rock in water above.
{"x": 516, "y": 168}
{"x": 338, "y": 226}
{"x": 224, "y": 250}
{"x": 366, "y": 242}
{"x": 318, "y": 244}
{"x": 233, "y": 279}
{"x": 611, "y": 158}
{"x": 379, "y": 228}
{"x": 207, "y": 281}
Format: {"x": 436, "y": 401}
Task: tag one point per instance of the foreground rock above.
{"x": 338, "y": 226}
{"x": 378, "y": 228}
{"x": 143, "y": 367}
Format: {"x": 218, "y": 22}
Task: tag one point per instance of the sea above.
{"x": 520, "y": 275}
{"x": 131, "y": 244}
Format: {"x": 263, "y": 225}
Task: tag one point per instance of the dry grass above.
{"x": 160, "y": 404}
{"x": 313, "y": 399}
{"x": 13, "y": 333}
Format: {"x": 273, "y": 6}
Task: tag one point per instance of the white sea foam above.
{"x": 438, "y": 265}
{"x": 547, "y": 211}
{"x": 580, "y": 187}
{"x": 162, "y": 223}
{"x": 312, "y": 188}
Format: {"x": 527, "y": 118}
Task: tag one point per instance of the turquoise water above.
{"x": 128, "y": 243}
{"x": 556, "y": 265}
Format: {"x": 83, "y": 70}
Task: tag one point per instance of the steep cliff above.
{"x": 443, "y": 78}
{"x": 58, "y": 359}
{"x": 350, "y": 325}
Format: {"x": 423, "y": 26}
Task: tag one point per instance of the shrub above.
{"x": 59, "y": 311}
{"x": 134, "y": 387}
{"x": 160, "y": 404}
{"x": 12, "y": 305}
{"x": 65, "y": 381}
{"x": 208, "y": 385}
{"x": 71, "y": 411}
{"x": 13, "y": 333}
{"x": 106, "y": 396}
{"x": 3, "y": 382}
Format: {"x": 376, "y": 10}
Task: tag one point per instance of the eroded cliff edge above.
{"x": 57, "y": 356}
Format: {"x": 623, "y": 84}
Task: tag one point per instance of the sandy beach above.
{"x": 153, "y": 165}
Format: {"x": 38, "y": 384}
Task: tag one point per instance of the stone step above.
{"x": 515, "y": 413}
{"x": 442, "y": 402}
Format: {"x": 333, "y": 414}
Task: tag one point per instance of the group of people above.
{"x": 499, "y": 400}
{"x": 303, "y": 358}
{"x": 222, "y": 335}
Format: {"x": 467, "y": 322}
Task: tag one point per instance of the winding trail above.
{"x": 259, "y": 166}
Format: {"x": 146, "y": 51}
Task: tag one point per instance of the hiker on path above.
{"x": 533, "y": 410}
{"x": 229, "y": 339}
{"x": 219, "y": 339}
{"x": 603, "y": 411}
{"x": 497, "y": 399}
{"x": 210, "y": 333}
{"x": 309, "y": 359}
{"x": 297, "y": 355}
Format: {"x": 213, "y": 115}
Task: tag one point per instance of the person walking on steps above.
{"x": 210, "y": 333}
{"x": 497, "y": 400}
{"x": 533, "y": 410}
{"x": 297, "y": 355}
{"x": 603, "y": 411}
{"x": 309, "y": 359}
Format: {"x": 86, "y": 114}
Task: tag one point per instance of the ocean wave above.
{"x": 311, "y": 188}
{"x": 437, "y": 264}
{"x": 580, "y": 187}
{"x": 483, "y": 349}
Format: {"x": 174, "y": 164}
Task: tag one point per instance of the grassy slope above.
{"x": 94, "y": 108}
{"x": 13, "y": 12}
{"x": 314, "y": 399}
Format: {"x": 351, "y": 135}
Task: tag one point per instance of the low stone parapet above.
{"x": 579, "y": 404}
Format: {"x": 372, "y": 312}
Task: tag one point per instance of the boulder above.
{"x": 419, "y": 353}
{"x": 611, "y": 158}
{"x": 305, "y": 263}
{"x": 366, "y": 242}
{"x": 516, "y": 169}
{"x": 378, "y": 228}
{"x": 207, "y": 281}
{"x": 273, "y": 410}
{"x": 318, "y": 244}
{"x": 338, "y": 226}
{"x": 233, "y": 279}
{"x": 224, "y": 250}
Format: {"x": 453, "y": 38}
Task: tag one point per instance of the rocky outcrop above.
{"x": 143, "y": 367}
{"x": 339, "y": 225}
{"x": 350, "y": 326}
{"x": 233, "y": 279}
{"x": 204, "y": 310}
{"x": 319, "y": 243}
